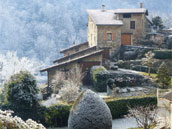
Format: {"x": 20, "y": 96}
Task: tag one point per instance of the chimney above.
{"x": 141, "y": 5}
{"x": 103, "y": 8}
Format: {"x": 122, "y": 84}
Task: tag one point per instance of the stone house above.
{"x": 107, "y": 31}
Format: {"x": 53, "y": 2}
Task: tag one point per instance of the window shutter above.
{"x": 105, "y": 36}
{"x": 113, "y": 36}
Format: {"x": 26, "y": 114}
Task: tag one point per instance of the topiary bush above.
{"x": 99, "y": 76}
{"x": 163, "y": 54}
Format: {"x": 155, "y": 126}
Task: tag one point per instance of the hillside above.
{"x": 40, "y": 28}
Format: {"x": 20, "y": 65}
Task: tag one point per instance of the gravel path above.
{"x": 122, "y": 123}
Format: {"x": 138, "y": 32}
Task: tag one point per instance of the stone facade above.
{"x": 141, "y": 26}
{"x": 103, "y": 42}
{"x": 91, "y": 59}
{"x": 107, "y": 31}
{"x": 92, "y": 32}
{"x": 99, "y": 28}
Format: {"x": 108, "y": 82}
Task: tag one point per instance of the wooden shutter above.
{"x": 113, "y": 36}
{"x": 105, "y": 36}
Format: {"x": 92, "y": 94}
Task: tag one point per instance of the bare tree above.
{"x": 148, "y": 60}
{"x": 144, "y": 116}
{"x": 76, "y": 75}
{"x": 68, "y": 83}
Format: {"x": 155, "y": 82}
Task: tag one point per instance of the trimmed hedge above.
{"x": 143, "y": 68}
{"x": 163, "y": 54}
{"x": 119, "y": 107}
{"x": 57, "y": 115}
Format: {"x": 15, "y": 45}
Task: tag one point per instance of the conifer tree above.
{"x": 163, "y": 76}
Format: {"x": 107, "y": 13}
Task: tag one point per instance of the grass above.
{"x": 152, "y": 76}
{"x": 152, "y": 126}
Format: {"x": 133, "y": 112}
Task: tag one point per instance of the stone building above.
{"x": 107, "y": 31}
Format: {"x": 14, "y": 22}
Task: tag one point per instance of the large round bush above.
{"x": 20, "y": 94}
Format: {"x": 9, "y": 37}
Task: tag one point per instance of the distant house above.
{"x": 107, "y": 31}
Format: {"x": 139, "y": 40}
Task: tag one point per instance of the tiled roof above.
{"x": 137, "y": 10}
{"x": 73, "y": 46}
{"x": 106, "y": 17}
{"x": 72, "y": 60}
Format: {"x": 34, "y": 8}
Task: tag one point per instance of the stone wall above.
{"x": 113, "y": 44}
{"x": 166, "y": 104}
{"x": 92, "y": 33}
{"x": 52, "y": 72}
{"x": 141, "y": 25}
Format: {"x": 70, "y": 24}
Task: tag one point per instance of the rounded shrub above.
{"x": 20, "y": 94}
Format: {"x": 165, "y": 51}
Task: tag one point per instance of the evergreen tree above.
{"x": 157, "y": 21}
{"x": 20, "y": 95}
{"x": 163, "y": 76}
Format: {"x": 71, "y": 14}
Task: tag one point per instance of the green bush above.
{"x": 20, "y": 95}
{"x": 119, "y": 107}
{"x": 163, "y": 54}
{"x": 56, "y": 116}
{"x": 99, "y": 76}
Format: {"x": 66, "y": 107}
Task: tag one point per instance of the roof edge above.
{"x": 66, "y": 49}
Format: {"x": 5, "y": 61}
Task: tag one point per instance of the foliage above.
{"x": 119, "y": 107}
{"x": 7, "y": 121}
{"x": 58, "y": 81}
{"x": 69, "y": 92}
{"x": 158, "y": 23}
{"x": 42, "y": 27}
{"x": 144, "y": 115}
{"x": 20, "y": 94}
{"x": 70, "y": 84}
{"x": 151, "y": 127}
{"x": 148, "y": 60}
{"x": 163, "y": 76}
{"x": 99, "y": 76}
{"x": 21, "y": 88}
{"x": 56, "y": 116}
{"x": 11, "y": 64}
{"x": 163, "y": 54}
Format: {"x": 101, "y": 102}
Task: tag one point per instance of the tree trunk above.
{"x": 149, "y": 69}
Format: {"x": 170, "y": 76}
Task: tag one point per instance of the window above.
{"x": 127, "y": 15}
{"x": 132, "y": 25}
{"x": 109, "y": 36}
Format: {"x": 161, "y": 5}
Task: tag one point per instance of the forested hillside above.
{"x": 40, "y": 28}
